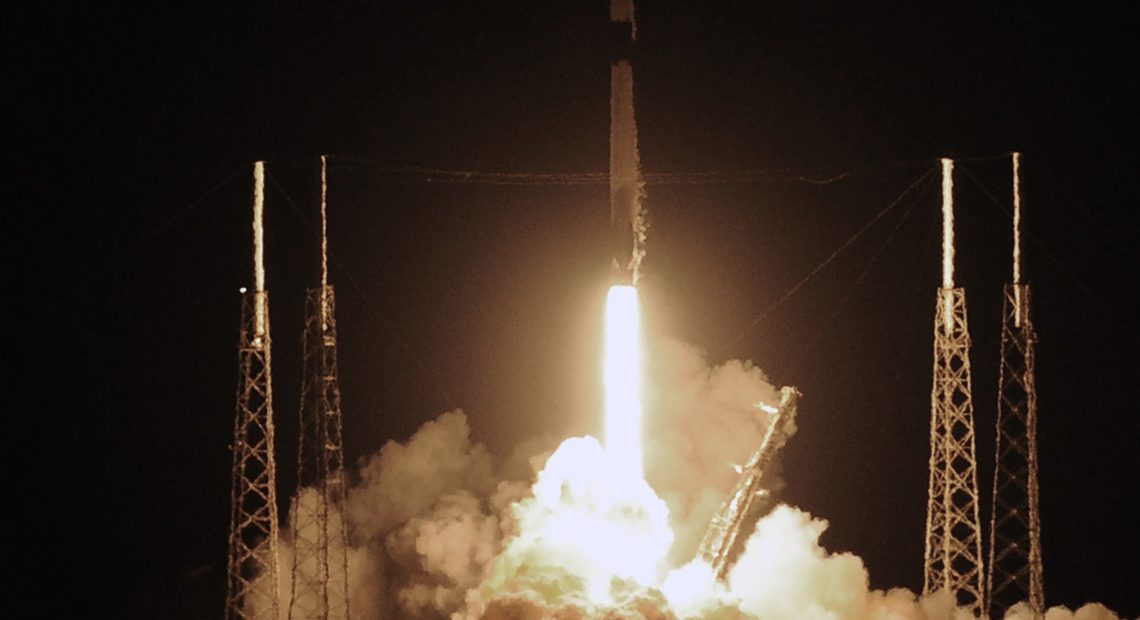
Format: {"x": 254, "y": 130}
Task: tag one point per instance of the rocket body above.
{"x": 621, "y": 263}
{"x": 625, "y": 176}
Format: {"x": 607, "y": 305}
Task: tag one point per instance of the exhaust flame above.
{"x": 622, "y": 378}
{"x": 584, "y": 534}
{"x": 593, "y": 532}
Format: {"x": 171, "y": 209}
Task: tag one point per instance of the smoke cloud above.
{"x": 442, "y": 529}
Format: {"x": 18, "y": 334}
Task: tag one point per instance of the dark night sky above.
{"x": 132, "y": 128}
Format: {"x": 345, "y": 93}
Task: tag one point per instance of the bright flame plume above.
{"x": 622, "y": 378}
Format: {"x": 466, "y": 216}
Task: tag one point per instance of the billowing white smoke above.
{"x": 440, "y": 528}
{"x": 1091, "y": 611}
{"x": 703, "y": 421}
{"x": 429, "y": 515}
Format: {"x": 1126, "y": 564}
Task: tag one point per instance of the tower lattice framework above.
{"x": 1014, "y": 571}
{"x": 953, "y": 532}
{"x": 722, "y": 538}
{"x": 320, "y": 563}
{"x": 319, "y": 589}
{"x": 252, "y": 581}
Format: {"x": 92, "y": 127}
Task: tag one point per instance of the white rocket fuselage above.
{"x": 625, "y": 181}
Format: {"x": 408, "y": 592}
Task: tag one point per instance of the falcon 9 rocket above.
{"x": 626, "y": 217}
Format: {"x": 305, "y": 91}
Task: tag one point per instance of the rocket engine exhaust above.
{"x": 622, "y": 372}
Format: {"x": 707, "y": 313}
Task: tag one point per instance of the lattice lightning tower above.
{"x": 252, "y": 568}
{"x": 722, "y": 539}
{"x": 320, "y": 566}
{"x": 1014, "y": 570}
{"x": 953, "y": 558}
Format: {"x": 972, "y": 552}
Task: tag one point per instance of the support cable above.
{"x": 813, "y": 176}
{"x": 62, "y": 300}
{"x": 859, "y": 280}
{"x": 827, "y": 261}
{"x": 1100, "y": 305}
{"x": 393, "y": 332}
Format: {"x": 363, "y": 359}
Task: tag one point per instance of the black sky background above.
{"x": 131, "y": 132}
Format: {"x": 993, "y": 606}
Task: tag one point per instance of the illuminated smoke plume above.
{"x": 1091, "y": 611}
{"x": 442, "y": 529}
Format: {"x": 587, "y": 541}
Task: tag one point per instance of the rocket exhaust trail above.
{"x": 622, "y": 378}
{"x": 623, "y": 352}
{"x": 627, "y": 220}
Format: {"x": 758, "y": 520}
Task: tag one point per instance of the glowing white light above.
{"x": 260, "y": 306}
{"x": 947, "y": 242}
{"x": 1017, "y": 238}
{"x": 324, "y": 221}
{"x": 324, "y": 244}
{"x": 258, "y": 226}
{"x": 242, "y": 290}
{"x": 690, "y": 588}
{"x": 585, "y": 529}
{"x": 622, "y": 377}
{"x": 1017, "y": 218}
{"x": 947, "y": 223}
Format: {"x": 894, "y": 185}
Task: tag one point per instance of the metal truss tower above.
{"x": 320, "y": 565}
{"x": 252, "y": 567}
{"x": 953, "y": 556}
{"x": 1014, "y": 571}
{"x": 722, "y": 540}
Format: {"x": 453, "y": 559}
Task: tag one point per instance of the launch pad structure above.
{"x": 719, "y": 544}
{"x": 319, "y": 584}
{"x": 1014, "y": 571}
{"x": 252, "y": 571}
{"x": 953, "y": 549}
